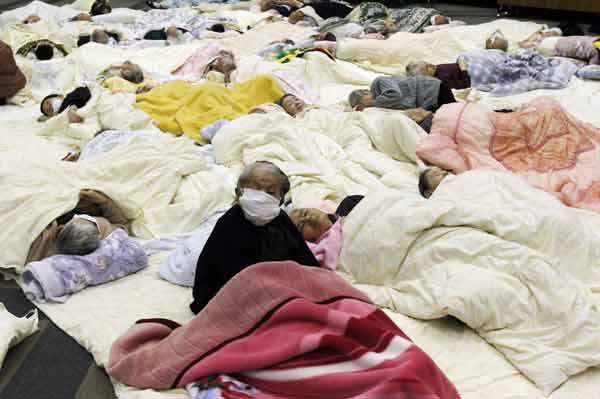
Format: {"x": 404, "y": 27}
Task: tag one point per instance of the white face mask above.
{"x": 259, "y": 207}
{"x": 56, "y": 102}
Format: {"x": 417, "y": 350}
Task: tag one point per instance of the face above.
{"x": 265, "y": 181}
{"x": 366, "y": 101}
{"x": 311, "y": 222}
{"x": 49, "y": 105}
{"x": 293, "y": 105}
{"x": 435, "y": 176}
{"x": 82, "y": 17}
{"x": 171, "y": 32}
{"x": 32, "y": 19}
{"x": 440, "y": 20}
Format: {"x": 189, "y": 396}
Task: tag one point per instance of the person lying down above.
{"x": 80, "y": 231}
{"x": 109, "y": 258}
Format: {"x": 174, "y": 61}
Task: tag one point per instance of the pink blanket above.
{"x": 541, "y": 142}
{"x": 291, "y": 332}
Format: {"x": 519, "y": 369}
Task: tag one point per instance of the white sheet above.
{"x": 13, "y": 330}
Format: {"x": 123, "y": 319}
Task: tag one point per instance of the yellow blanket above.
{"x": 180, "y": 107}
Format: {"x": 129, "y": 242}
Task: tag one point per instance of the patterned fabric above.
{"x": 400, "y": 92}
{"x": 337, "y": 344}
{"x": 57, "y": 277}
{"x": 578, "y": 47}
{"x": 186, "y": 19}
{"x": 368, "y": 12}
{"x": 220, "y": 387}
{"x": 188, "y": 3}
{"x": 413, "y": 19}
{"x": 504, "y": 74}
{"x": 25, "y": 49}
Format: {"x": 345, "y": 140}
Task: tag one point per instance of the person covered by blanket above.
{"x": 430, "y": 179}
{"x": 171, "y": 35}
{"x": 291, "y": 104}
{"x": 313, "y": 223}
{"x": 32, "y": 19}
{"x": 418, "y": 96}
{"x": 253, "y": 230}
{"x": 81, "y": 17}
{"x": 42, "y": 50}
{"x": 12, "y": 79}
{"x": 55, "y": 104}
{"x": 454, "y": 76}
{"x": 127, "y": 77}
{"x": 79, "y": 231}
{"x": 100, "y": 36}
{"x": 496, "y": 41}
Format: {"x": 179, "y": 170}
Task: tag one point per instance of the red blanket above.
{"x": 291, "y": 332}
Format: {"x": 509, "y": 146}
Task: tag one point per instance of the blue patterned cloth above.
{"x": 57, "y": 277}
{"x": 503, "y": 74}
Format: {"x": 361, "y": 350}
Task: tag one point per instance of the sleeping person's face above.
{"x": 293, "y": 105}
{"x": 50, "y": 106}
{"x": 434, "y": 177}
{"x": 311, "y": 222}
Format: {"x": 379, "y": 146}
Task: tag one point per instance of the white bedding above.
{"x": 509, "y": 261}
{"x": 391, "y": 56}
{"x": 13, "y": 330}
{"x": 169, "y": 186}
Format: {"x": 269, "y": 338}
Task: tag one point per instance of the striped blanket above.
{"x": 288, "y": 331}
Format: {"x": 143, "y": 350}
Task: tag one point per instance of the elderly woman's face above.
{"x": 311, "y": 222}
{"x": 265, "y": 181}
{"x": 293, "y": 105}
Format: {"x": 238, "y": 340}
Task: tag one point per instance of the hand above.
{"x": 418, "y": 114}
{"x": 72, "y": 115}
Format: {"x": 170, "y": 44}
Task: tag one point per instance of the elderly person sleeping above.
{"x": 125, "y": 77}
{"x": 323, "y": 230}
{"x": 80, "y": 231}
{"x": 55, "y": 104}
{"x": 430, "y": 179}
{"x": 454, "y": 76}
{"x": 253, "y": 230}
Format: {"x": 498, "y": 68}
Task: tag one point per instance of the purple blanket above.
{"x": 58, "y": 276}
{"x": 503, "y": 74}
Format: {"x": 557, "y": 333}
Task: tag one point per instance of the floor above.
{"x": 51, "y": 365}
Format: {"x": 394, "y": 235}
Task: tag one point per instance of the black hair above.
{"x": 571, "y": 28}
{"x": 44, "y": 52}
{"x": 220, "y": 28}
{"x": 282, "y": 98}
{"x": 423, "y": 183}
{"x": 100, "y": 7}
{"x": 329, "y": 37}
{"x": 83, "y": 40}
{"x": 44, "y": 100}
{"x": 114, "y": 35}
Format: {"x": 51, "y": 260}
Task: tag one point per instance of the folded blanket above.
{"x": 541, "y": 142}
{"x": 504, "y": 74}
{"x": 337, "y": 344}
{"x": 56, "y": 277}
{"x": 179, "y": 107}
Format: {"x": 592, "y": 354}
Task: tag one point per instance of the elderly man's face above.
{"x": 440, "y": 20}
{"x": 293, "y": 105}
{"x": 265, "y": 181}
{"x": 171, "y": 32}
{"x": 311, "y": 222}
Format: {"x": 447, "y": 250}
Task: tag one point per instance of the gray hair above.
{"x": 78, "y": 239}
{"x": 415, "y": 68}
{"x": 134, "y": 73}
{"x": 356, "y": 97}
{"x": 99, "y": 36}
{"x": 248, "y": 172}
